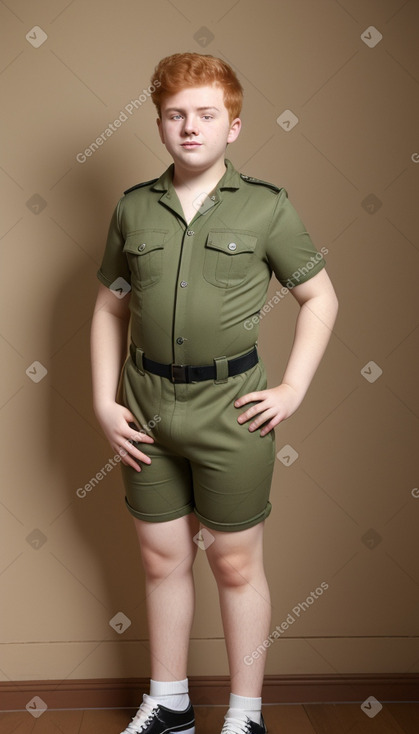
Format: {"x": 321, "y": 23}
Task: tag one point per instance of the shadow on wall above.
{"x": 98, "y": 547}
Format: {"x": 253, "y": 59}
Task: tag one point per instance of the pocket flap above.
{"x": 232, "y": 243}
{"x": 144, "y": 240}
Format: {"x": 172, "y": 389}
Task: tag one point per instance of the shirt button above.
{"x": 180, "y": 340}
{"x": 190, "y": 232}
{"x": 141, "y": 247}
{"x": 232, "y": 246}
{"x": 183, "y": 284}
{"x": 212, "y": 198}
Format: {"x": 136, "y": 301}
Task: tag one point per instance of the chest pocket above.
{"x": 144, "y": 251}
{"x": 228, "y": 256}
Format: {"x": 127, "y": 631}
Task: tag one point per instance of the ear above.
{"x": 234, "y": 131}
{"x": 160, "y": 129}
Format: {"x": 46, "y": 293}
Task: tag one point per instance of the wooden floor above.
{"x": 394, "y": 718}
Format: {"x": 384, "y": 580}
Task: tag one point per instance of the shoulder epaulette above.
{"x": 252, "y": 180}
{"x": 140, "y": 185}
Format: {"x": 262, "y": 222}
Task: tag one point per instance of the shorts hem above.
{"x": 164, "y": 517}
{"x": 231, "y": 527}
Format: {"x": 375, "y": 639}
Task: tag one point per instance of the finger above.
{"x": 142, "y": 457}
{"x": 132, "y": 450}
{"x": 139, "y": 434}
{"x": 261, "y": 419}
{"x": 131, "y": 462}
{"x": 271, "y": 425}
{"x": 249, "y": 398}
{"x": 136, "y": 437}
{"x": 127, "y": 449}
{"x": 126, "y": 458}
{"x": 243, "y": 417}
{"x": 142, "y": 437}
{"x": 130, "y": 418}
{"x": 250, "y": 412}
{"x": 133, "y": 457}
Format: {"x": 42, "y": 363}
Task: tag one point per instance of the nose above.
{"x": 190, "y": 126}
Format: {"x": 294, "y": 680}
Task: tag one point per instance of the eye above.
{"x": 207, "y": 117}
{"x": 176, "y": 117}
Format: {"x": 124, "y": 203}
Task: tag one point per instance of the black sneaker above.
{"x": 243, "y": 726}
{"x": 153, "y": 718}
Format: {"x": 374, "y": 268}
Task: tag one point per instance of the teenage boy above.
{"x": 192, "y": 417}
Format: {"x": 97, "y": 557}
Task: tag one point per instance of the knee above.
{"x": 159, "y": 565}
{"x": 233, "y": 570}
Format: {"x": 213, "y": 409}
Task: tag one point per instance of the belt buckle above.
{"x": 178, "y": 372}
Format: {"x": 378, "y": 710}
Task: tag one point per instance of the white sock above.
{"x": 173, "y": 693}
{"x": 251, "y": 707}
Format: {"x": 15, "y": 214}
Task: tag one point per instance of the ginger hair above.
{"x": 182, "y": 70}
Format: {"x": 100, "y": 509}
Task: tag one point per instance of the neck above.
{"x": 204, "y": 180}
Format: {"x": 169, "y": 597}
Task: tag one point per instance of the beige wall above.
{"x": 69, "y": 564}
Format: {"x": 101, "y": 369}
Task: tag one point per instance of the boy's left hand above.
{"x": 274, "y": 405}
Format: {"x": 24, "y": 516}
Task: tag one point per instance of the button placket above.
{"x": 180, "y": 317}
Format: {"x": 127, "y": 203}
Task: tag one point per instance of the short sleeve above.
{"x": 114, "y": 262}
{"x": 290, "y": 251}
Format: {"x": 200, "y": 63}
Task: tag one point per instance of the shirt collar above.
{"x": 230, "y": 179}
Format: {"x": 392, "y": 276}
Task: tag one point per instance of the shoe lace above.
{"x": 144, "y": 716}
{"x": 235, "y": 726}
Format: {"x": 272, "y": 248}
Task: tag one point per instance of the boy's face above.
{"x": 195, "y": 127}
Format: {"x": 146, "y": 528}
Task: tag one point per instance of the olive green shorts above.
{"x": 202, "y": 459}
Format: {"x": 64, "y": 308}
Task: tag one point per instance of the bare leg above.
{"x": 168, "y": 553}
{"x": 236, "y": 560}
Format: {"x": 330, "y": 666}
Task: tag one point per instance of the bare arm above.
{"x": 318, "y": 310}
{"x": 108, "y": 344}
{"x": 108, "y": 349}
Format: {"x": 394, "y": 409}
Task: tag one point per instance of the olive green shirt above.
{"x": 196, "y": 288}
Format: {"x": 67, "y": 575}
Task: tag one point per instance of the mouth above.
{"x": 190, "y": 144}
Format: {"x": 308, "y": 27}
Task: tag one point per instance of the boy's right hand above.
{"x": 114, "y": 420}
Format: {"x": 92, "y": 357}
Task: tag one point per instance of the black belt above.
{"x": 191, "y": 373}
